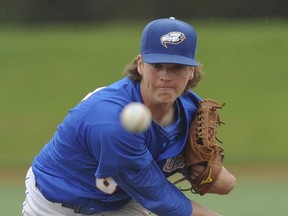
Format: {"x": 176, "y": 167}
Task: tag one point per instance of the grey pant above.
{"x": 36, "y": 204}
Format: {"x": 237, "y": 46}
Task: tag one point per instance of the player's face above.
{"x": 163, "y": 83}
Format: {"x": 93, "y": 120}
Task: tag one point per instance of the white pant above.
{"x": 36, "y": 204}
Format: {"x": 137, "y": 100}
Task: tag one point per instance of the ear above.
{"x": 140, "y": 64}
{"x": 192, "y": 71}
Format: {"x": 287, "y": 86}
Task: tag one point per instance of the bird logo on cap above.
{"x": 172, "y": 38}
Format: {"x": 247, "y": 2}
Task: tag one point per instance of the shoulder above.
{"x": 121, "y": 92}
{"x": 108, "y": 101}
{"x": 100, "y": 110}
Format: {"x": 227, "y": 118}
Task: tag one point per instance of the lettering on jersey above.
{"x": 107, "y": 185}
{"x": 174, "y": 163}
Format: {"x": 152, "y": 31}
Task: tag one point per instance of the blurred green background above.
{"x": 45, "y": 71}
{"x": 47, "y": 66}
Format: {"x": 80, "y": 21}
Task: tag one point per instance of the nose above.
{"x": 166, "y": 74}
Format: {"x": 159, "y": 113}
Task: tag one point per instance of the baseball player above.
{"x": 93, "y": 166}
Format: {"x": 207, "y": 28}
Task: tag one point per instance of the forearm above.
{"x": 154, "y": 192}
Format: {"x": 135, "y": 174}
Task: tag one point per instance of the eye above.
{"x": 156, "y": 66}
{"x": 179, "y": 67}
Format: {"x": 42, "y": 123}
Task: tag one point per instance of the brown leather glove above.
{"x": 202, "y": 155}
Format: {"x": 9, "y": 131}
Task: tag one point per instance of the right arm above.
{"x": 153, "y": 191}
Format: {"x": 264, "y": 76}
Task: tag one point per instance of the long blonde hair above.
{"x": 132, "y": 72}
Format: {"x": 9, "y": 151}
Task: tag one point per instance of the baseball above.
{"x": 136, "y": 117}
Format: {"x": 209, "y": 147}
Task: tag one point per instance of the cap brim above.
{"x": 153, "y": 58}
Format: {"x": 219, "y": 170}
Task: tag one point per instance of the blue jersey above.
{"x": 93, "y": 161}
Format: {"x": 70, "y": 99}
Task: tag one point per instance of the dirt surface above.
{"x": 12, "y": 175}
{"x": 277, "y": 173}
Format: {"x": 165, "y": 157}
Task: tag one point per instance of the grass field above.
{"x": 46, "y": 70}
{"x": 260, "y": 191}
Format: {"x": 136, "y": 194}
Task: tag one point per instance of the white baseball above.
{"x": 136, "y": 117}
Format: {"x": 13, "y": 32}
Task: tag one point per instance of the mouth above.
{"x": 165, "y": 89}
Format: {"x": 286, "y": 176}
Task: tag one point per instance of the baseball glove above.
{"x": 202, "y": 155}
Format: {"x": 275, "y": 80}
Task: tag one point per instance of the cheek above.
{"x": 184, "y": 80}
{"x": 186, "y": 77}
{"x": 147, "y": 80}
{"x": 149, "y": 76}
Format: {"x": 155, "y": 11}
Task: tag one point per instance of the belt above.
{"x": 79, "y": 209}
{"x": 76, "y": 208}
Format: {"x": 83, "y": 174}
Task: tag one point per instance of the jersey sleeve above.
{"x": 153, "y": 191}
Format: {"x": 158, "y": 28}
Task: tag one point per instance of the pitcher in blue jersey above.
{"x": 93, "y": 166}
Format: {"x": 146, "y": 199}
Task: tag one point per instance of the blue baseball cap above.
{"x": 169, "y": 40}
